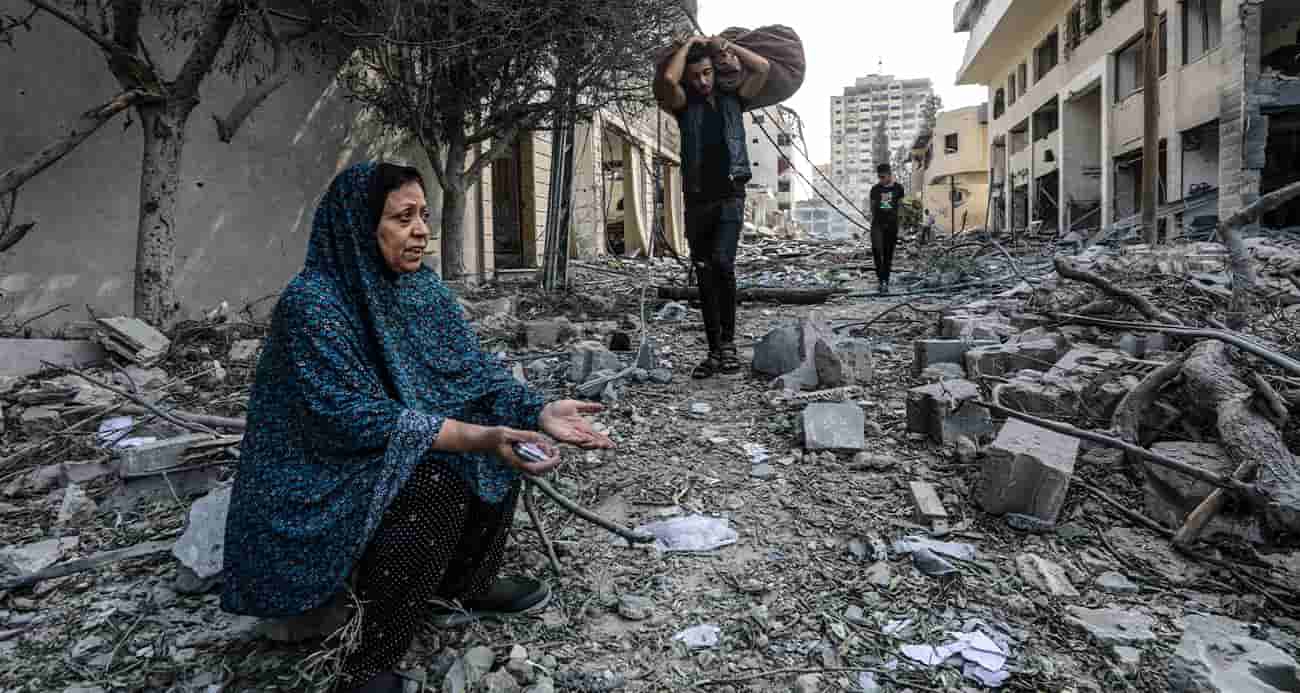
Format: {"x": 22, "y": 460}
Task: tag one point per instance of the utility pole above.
{"x": 1151, "y": 118}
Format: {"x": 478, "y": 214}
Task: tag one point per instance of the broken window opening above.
{"x": 1202, "y": 28}
{"x": 1047, "y": 56}
{"x": 950, "y": 143}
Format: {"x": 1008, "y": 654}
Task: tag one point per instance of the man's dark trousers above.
{"x": 884, "y": 238}
{"x": 713, "y": 230}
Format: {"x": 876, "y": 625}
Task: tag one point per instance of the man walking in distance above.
{"x": 715, "y": 169}
{"x": 886, "y": 196}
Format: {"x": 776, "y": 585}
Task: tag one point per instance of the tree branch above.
{"x": 499, "y": 146}
{"x": 1243, "y": 273}
{"x": 1141, "y": 303}
{"x": 254, "y": 96}
{"x": 84, "y": 127}
{"x": 203, "y": 55}
{"x": 126, "y": 21}
{"x": 10, "y": 234}
{"x": 81, "y": 26}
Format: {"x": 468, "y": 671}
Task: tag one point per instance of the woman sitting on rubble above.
{"x": 380, "y": 444}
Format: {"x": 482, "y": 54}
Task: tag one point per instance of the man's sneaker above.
{"x": 509, "y": 597}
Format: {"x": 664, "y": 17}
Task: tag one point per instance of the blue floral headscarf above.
{"x": 360, "y": 369}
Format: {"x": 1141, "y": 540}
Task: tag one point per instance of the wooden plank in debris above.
{"x": 83, "y": 564}
{"x": 929, "y": 509}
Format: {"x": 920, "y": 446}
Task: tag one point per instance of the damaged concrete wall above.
{"x": 245, "y": 208}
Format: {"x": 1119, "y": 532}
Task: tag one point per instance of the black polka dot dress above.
{"x": 437, "y": 540}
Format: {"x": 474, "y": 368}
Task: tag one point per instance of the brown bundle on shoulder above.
{"x": 778, "y": 43}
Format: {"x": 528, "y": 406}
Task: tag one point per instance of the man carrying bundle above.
{"x": 715, "y": 169}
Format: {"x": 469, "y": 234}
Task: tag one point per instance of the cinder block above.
{"x": 1027, "y": 471}
{"x": 947, "y": 410}
{"x": 927, "y": 352}
{"x": 1038, "y": 355}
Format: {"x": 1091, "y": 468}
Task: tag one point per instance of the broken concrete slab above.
{"x": 30, "y": 558}
{"x": 166, "y": 487}
{"x": 1031, "y": 392}
{"x": 1039, "y": 354}
{"x": 151, "y": 458}
{"x": 202, "y": 547}
{"x": 1113, "y": 626}
{"x": 947, "y": 410}
{"x": 132, "y": 339}
{"x": 1156, "y": 554}
{"x": 1219, "y": 655}
{"x": 800, "y": 356}
{"x": 21, "y": 358}
{"x": 929, "y": 352}
{"x": 1027, "y": 471}
{"x": 1045, "y": 575}
{"x": 587, "y": 358}
{"x": 36, "y": 481}
{"x": 834, "y": 426}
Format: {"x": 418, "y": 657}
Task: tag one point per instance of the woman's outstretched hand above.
{"x": 566, "y": 422}
{"x": 501, "y": 440}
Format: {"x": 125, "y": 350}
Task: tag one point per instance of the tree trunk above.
{"x": 1247, "y": 437}
{"x": 453, "y": 211}
{"x": 155, "y": 253}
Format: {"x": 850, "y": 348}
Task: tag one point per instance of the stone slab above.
{"x": 20, "y": 358}
{"x": 1219, "y": 655}
{"x": 834, "y": 426}
{"x": 948, "y": 410}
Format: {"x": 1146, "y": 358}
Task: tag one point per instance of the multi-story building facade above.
{"x": 950, "y": 172}
{"x": 771, "y": 135}
{"x": 1065, "y": 86}
{"x": 855, "y": 117}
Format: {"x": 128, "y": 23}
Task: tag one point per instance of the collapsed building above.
{"x": 1065, "y": 81}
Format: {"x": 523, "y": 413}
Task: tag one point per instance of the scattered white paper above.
{"x": 757, "y": 453}
{"x": 963, "y": 552}
{"x": 983, "y": 658}
{"x": 700, "y": 637}
{"x": 114, "y": 429}
{"x": 692, "y": 533}
{"x": 896, "y": 625}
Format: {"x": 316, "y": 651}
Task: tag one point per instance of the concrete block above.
{"x": 150, "y": 458}
{"x": 926, "y": 503}
{"x": 1040, "y": 354}
{"x": 20, "y": 358}
{"x": 244, "y": 350}
{"x": 587, "y": 358}
{"x": 1027, "y": 470}
{"x": 133, "y": 339}
{"x": 834, "y": 426}
{"x": 40, "y": 420}
{"x": 928, "y": 352}
{"x": 947, "y": 410}
{"x": 972, "y": 326}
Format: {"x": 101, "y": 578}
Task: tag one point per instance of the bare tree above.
{"x": 212, "y": 35}
{"x": 466, "y": 79}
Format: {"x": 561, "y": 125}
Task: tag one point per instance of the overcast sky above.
{"x": 846, "y": 40}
